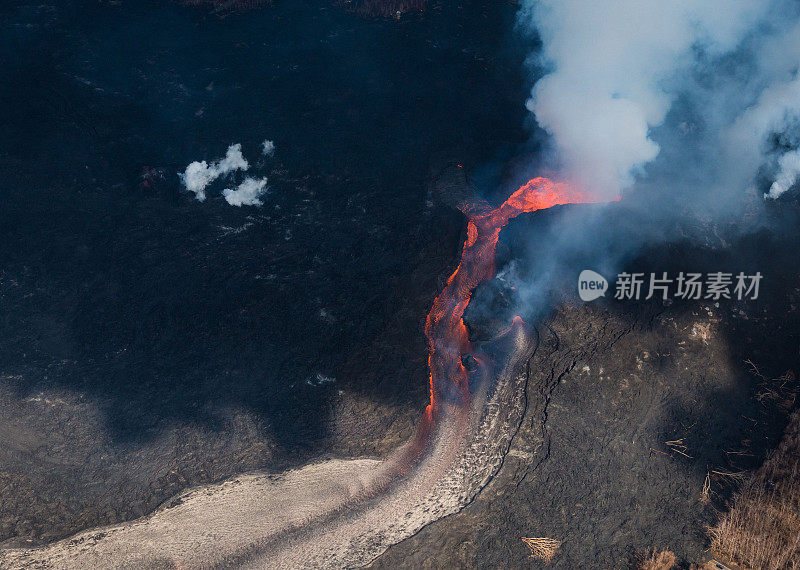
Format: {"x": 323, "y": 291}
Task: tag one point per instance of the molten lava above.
{"x": 447, "y": 335}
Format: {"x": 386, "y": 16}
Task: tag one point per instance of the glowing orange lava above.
{"x": 447, "y": 335}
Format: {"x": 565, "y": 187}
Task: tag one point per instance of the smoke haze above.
{"x": 689, "y": 109}
{"x": 632, "y": 88}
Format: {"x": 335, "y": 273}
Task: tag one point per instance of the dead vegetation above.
{"x": 678, "y": 446}
{"x": 664, "y": 560}
{"x": 781, "y": 391}
{"x": 762, "y": 529}
{"x": 543, "y": 549}
{"x": 705, "y": 493}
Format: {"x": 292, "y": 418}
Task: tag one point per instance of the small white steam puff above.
{"x": 199, "y": 174}
{"x": 248, "y": 193}
{"x": 789, "y": 171}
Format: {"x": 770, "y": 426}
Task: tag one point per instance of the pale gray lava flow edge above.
{"x": 335, "y": 513}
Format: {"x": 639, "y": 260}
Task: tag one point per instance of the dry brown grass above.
{"x": 664, "y": 560}
{"x": 762, "y": 529}
{"x": 705, "y": 493}
{"x": 543, "y": 549}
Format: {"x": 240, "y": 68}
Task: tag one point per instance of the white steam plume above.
{"x": 616, "y": 70}
{"x": 198, "y": 175}
{"x": 248, "y": 193}
{"x": 789, "y": 172}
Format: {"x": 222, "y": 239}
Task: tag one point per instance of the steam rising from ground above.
{"x": 198, "y": 175}
{"x": 708, "y": 86}
{"x": 248, "y": 193}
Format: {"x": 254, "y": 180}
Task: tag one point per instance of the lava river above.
{"x": 447, "y": 334}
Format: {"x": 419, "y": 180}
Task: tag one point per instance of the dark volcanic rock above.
{"x": 223, "y": 7}
{"x": 590, "y": 465}
{"x": 632, "y": 408}
{"x": 384, "y": 8}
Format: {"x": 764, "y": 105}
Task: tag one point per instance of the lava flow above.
{"x": 447, "y": 334}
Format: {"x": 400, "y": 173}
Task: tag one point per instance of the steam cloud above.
{"x": 248, "y": 193}
{"x": 789, "y": 165}
{"x": 709, "y": 85}
{"x": 691, "y": 105}
{"x": 198, "y": 175}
